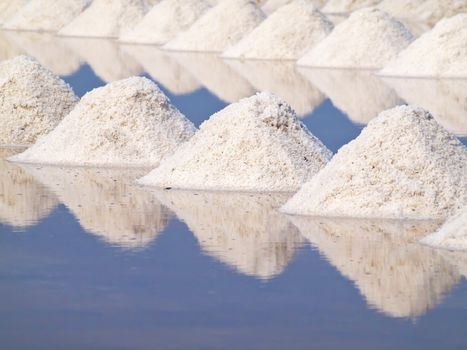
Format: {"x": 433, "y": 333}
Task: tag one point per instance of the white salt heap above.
{"x": 129, "y": 122}
{"x": 32, "y": 101}
{"x": 272, "y": 5}
{"x": 452, "y": 235}
{"x": 346, "y": 6}
{"x": 403, "y": 165}
{"x": 219, "y": 28}
{"x": 369, "y": 38}
{"x": 8, "y": 8}
{"x": 165, "y": 20}
{"x": 256, "y": 144}
{"x": 107, "y": 18}
{"x": 46, "y": 15}
{"x": 286, "y": 34}
{"x": 441, "y": 52}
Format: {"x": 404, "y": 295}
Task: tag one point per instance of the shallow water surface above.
{"x": 89, "y": 260}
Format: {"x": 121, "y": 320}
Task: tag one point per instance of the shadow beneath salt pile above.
{"x": 357, "y": 93}
{"x": 23, "y": 200}
{"x": 107, "y": 203}
{"x": 446, "y": 99}
{"x": 282, "y": 79}
{"x": 242, "y": 230}
{"x": 393, "y": 272}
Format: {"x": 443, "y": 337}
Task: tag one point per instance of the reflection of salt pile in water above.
{"x": 220, "y": 27}
{"x": 106, "y": 203}
{"x": 105, "y": 58}
{"x": 346, "y": 6}
{"x": 163, "y": 68}
{"x": 369, "y": 38}
{"x": 50, "y": 51}
{"x": 272, "y": 5}
{"x": 256, "y": 144}
{"x": 282, "y": 79}
{"x": 402, "y": 165}
{"x": 240, "y": 229}
{"x": 215, "y": 75}
{"x": 45, "y": 15}
{"x": 32, "y": 101}
{"x": 9, "y": 8}
{"x": 441, "y": 52}
{"x": 394, "y": 273}
{"x": 126, "y": 123}
{"x": 165, "y": 20}
{"x": 107, "y": 18}
{"x": 359, "y": 94}
{"x": 286, "y": 34}
{"x": 446, "y": 99}
{"x": 23, "y": 201}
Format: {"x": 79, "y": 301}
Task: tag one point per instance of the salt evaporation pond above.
{"x": 109, "y": 264}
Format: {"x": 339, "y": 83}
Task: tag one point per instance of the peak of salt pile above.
{"x": 8, "y": 8}
{"x": 256, "y": 144}
{"x": 165, "y": 20}
{"x": 346, "y": 6}
{"x": 32, "y": 101}
{"x": 107, "y": 18}
{"x": 126, "y": 123}
{"x": 441, "y": 52}
{"x": 219, "y": 28}
{"x": 46, "y": 15}
{"x": 452, "y": 235}
{"x": 402, "y": 165}
{"x": 286, "y": 34}
{"x": 369, "y": 38}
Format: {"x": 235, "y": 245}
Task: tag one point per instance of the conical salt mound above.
{"x": 452, "y": 235}
{"x": 287, "y": 34}
{"x": 369, "y": 38}
{"x": 165, "y": 20}
{"x": 126, "y": 123}
{"x": 107, "y": 18}
{"x": 256, "y": 144}
{"x": 346, "y": 6}
{"x": 219, "y": 28}
{"x": 242, "y": 230}
{"x": 441, "y": 52}
{"x": 403, "y": 165}
{"x": 8, "y": 8}
{"x": 32, "y": 101}
{"x": 46, "y": 15}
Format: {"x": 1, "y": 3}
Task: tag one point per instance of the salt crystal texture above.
{"x": 441, "y": 52}
{"x": 369, "y": 38}
{"x": 165, "y": 20}
{"x": 125, "y": 123}
{"x": 32, "y": 101}
{"x": 452, "y": 235}
{"x": 107, "y": 18}
{"x": 8, "y": 8}
{"x": 46, "y": 15}
{"x": 272, "y": 5}
{"x": 256, "y": 144}
{"x": 346, "y": 6}
{"x": 286, "y": 34}
{"x": 219, "y": 28}
{"x": 402, "y": 165}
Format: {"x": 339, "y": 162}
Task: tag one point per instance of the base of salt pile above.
{"x": 256, "y": 144}
{"x": 452, "y": 235}
{"x": 32, "y": 101}
{"x": 403, "y": 165}
{"x": 126, "y": 123}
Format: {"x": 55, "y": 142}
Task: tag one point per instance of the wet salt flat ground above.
{"x": 90, "y": 261}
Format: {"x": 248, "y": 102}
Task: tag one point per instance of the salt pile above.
{"x": 219, "y": 28}
{"x": 256, "y": 144}
{"x": 242, "y": 230}
{"x": 403, "y": 165}
{"x": 396, "y": 275}
{"x": 346, "y": 6}
{"x": 369, "y": 38}
{"x": 165, "y": 20}
{"x": 107, "y": 18}
{"x": 32, "y": 101}
{"x": 272, "y": 5}
{"x": 126, "y": 123}
{"x": 9, "y": 8}
{"x": 441, "y": 52}
{"x": 452, "y": 235}
{"x": 286, "y": 34}
{"x": 46, "y": 15}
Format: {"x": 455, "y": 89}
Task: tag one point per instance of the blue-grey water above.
{"x": 88, "y": 260}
